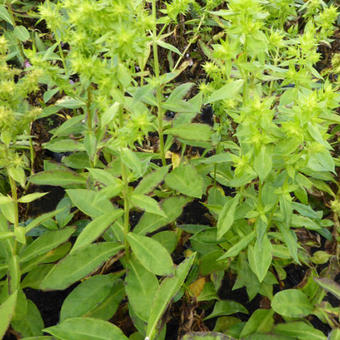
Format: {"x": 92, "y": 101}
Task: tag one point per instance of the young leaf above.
{"x": 239, "y": 246}
{"x": 146, "y": 203}
{"x": 82, "y": 262}
{"x": 151, "y": 254}
{"x": 31, "y": 197}
{"x": 95, "y": 228}
{"x": 292, "y": 303}
{"x": 141, "y": 286}
{"x": 165, "y": 293}
{"x": 186, "y": 180}
{"x": 167, "y": 46}
{"x": 263, "y": 163}
{"x": 228, "y": 91}
{"x": 260, "y": 257}
{"x": 86, "y": 328}
{"x": 226, "y": 217}
{"x": 6, "y": 312}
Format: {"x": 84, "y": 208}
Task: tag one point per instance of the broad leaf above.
{"x": 141, "y": 286}
{"x": 292, "y": 303}
{"x": 299, "y": 330}
{"x": 261, "y": 321}
{"x": 186, "y": 180}
{"x": 151, "y": 254}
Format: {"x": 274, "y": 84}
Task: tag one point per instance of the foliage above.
{"x": 112, "y": 72}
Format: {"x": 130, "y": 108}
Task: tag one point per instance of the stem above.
{"x": 126, "y": 206}
{"x": 158, "y": 89}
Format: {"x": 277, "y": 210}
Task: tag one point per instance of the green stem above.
{"x": 160, "y": 112}
{"x": 126, "y": 206}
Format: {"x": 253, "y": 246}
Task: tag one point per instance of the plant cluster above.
{"x": 253, "y": 141}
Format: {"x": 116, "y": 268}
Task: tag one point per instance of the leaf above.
{"x": 46, "y": 242}
{"x": 4, "y": 15}
{"x": 90, "y": 202}
{"x": 192, "y": 131}
{"x": 261, "y": 321}
{"x": 226, "y": 216}
{"x": 179, "y": 92}
{"x": 79, "y": 264}
{"x": 87, "y": 296}
{"x": 206, "y": 336}
{"x": 21, "y": 33}
{"x": 130, "y": 159}
{"x": 41, "y": 219}
{"x": 6, "y": 312}
{"x": 5, "y": 199}
{"x": 329, "y": 285}
{"x": 239, "y": 246}
{"x": 186, "y": 180}
{"x": 86, "y": 329}
{"x": 64, "y": 145}
{"x": 141, "y": 286}
{"x": 263, "y": 163}
{"x": 226, "y": 307}
{"x": 292, "y": 303}
{"x": 167, "y": 46}
{"x": 167, "y": 290}
{"x": 146, "y": 203}
{"x": 149, "y": 182}
{"x": 32, "y": 324}
{"x": 227, "y": 91}
{"x": 299, "y": 330}
{"x": 321, "y": 161}
{"x": 151, "y": 254}
{"x": 172, "y": 206}
{"x": 260, "y": 257}
{"x": 60, "y": 178}
{"x": 31, "y": 197}
{"x": 290, "y": 239}
{"x": 70, "y": 103}
{"x": 95, "y": 228}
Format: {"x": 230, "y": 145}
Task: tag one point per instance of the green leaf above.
{"x": 31, "y": 197}
{"x": 228, "y": 91}
{"x": 263, "y": 163}
{"x": 141, "y": 287}
{"x": 149, "y": 182}
{"x": 70, "y": 103}
{"x": 172, "y": 206}
{"x": 146, "y": 203}
{"x": 46, "y": 242}
{"x": 206, "y": 336}
{"x": 87, "y": 296}
{"x": 167, "y": 290}
{"x": 321, "y": 161}
{"x": 60, "y": 178}
{"x": 329, "y": 285}
{"x": 21, "y": 33}
{"x": 90, "y": 202}
{"x": 5, "y": 199}
{"x": 95, "y": 228}
{"x": 186, "y": 180}
{"x": 226, "y": 307}
{"x": 239, "y": 246}
{"x": 4, "y": 15}
{"x": 260, "y": 257}
{"x": 179, "y": 92}
{"x": 292, "y": 303}
{"x": 334, "y": 335}
{"x": 32, "y": 324}
{"x": 130, "y": 159}
{"x": 226, "y": 216}
{"x": 167, "y": 46}
{"x": 192, "y": 131}
{"x": 6, "y": 312}
{"x": 86, "y": 329}
{"x": 261, "y": 321}
{"x": 299, "y": 330}
{"x": 64, "y": 145}
{"x": 290, "y": 239}
{"x": 79, "y": 264}
{"x": 41, "y": 219}
{"x": 151, "y": 254}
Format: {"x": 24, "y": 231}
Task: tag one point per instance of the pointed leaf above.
{"x": 57, "y": 178}
{"x": 6, "y": 312}
{"x": 79, "y": 264}
{"x": 151, "y": 180}
{"x": 146, "y": 203}
{"x": 192, "y": 131}
{"x": 151, "y": 254}
{"x": 226, "y": 216}
{"x": 226, "y": 307}
{"x": 86, "y": 329}
{"x": 228, "y": 91}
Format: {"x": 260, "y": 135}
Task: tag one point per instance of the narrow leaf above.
{"x": 6, "y": 312}
{"x": 226, "y": 217}
{"x": 146, "y": 203}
